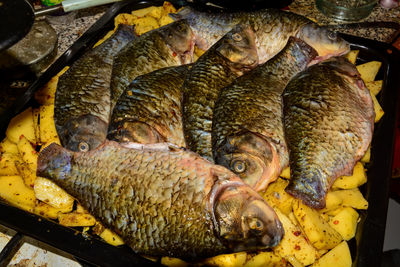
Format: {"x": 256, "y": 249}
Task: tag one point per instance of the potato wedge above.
{"x": 173, "y": 262}
{"x": 352, "y": 56}
{"x": 294, "y": 242}
{"x": 168, "y": 7}
{"x": 317, "y": 230}
{"x": 143, "y": 11}
{"x": 369, "y": 70}
{"x": 234, "y": 259}
{"x": 352, "y": 198}
{"x": 7, "y": 164}
{"x": 265, "y": 258}
{"x": 111, "y": 238}
{"x": 345, "y": 223}
{"x": 378, "y": 109}
{"x": 14, "y": 191}
{"x": 145, "y": 24}
{"x": 26, "y": 173}
{"x": 337, "y": 257}
{"x": 276, "y": 196}
{"x": 47, "y": 127}
{"x": 358, "y": 178}
{"x": 22, "y": 124}
{"x": 48, "y": 211}
{"x": 6, "y": 146}
{"x": 27, "y": 153}
{"x": 52, "y": 194}
{"x": 164, "y": 20}
{"x": 374, "y": 87}
{"x": 285, "y": 173}
{"x": 332, "y": 202}
{"x": 367, "y": 156}
{"x": 75, "y": 219}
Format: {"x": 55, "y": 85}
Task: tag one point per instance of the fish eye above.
{"x": 83, "y": 147}
{"x": 238, "y": 166}
{"x": 331, "y": 35}
{"x": 237, "y": 37}
{"x": 256, "y": 224}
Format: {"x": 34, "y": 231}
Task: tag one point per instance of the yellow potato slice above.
{"x": 22, "y": 124}
{"x": 168, "y": 7}
{"x": 367, "y": 156}
{"x": 337, "y": 257}
{"x": 332, "y": 202}
{"x": 317, "y": 230}
{"x": 46, "y": 94}
{"x": 359, "y": 177}
{"x": 369, "y": 70}
{"x": 265, "y": 258}
{"x": 294, "y": 242}
{"x": 164, "y": 20}
{"x": 374, "y": 86}
{"x": 6, "y": 146}
{"x": 352, "y": 56}
{"x": 27, "y": 153}
{"x": 378, "y": 109}
{"x": 14, "y": 191}
{"x": 173, "y": 262}
{"x": 7, "y": 164}
{"x": 111, "y": 238}
{"x": 47, "y": 127}
{"x": 276, "y": 196}
{"x": 26, "y": 173}
{"x": 234, "y": 259}
{"x": 124, "y": 18}
{"x": 143, "y": 12}
{"x": 285, "y": 173}
{"x": 145, "y": 24}
{"x": 345, "y": 223}
{"x": 52, "y": 194}
{"x": 352, "y": 198}
{"x": 48, "y": 211}
{"x": 75, "y": 219}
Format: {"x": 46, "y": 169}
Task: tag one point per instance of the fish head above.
{"x": 180, "y": 38}
{"x": 326, "y": 42}
{"x": 135, "y": 131}
{"x": 250, "y": 156}
{"x": 244, "y": 220}
{"x": 83, "y": 133}
{"x": 239, "y": 47}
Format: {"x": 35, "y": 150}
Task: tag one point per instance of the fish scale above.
{"x": 329, "y": 121}
{"x": 173, "y": 211}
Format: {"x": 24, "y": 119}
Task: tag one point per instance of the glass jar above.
{"x": 346, "y": 10}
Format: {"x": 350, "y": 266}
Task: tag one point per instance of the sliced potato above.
{"x": 7, "y": 164}
{"x": 48, "y": 211}
{"x": 374, "y": 87}
{"x": 294, "y": 242}
{"x": 46, "y": 94}
{"x": 143, "y": 11}
{"x": 265, "y": 258}
{"x": 317, "y": 230}
{"x": 168, "y": 7}
{"x": 173, "y": 262}
{"x": 14, "y": 191}
{"x": 352, "y": 56}
{"x": 369, "y": 70}
{"x": 276, "y": 196}
{"x": 52, "y": 194}
{"x": 234, "y": 259}
{"x": 337, "y": 257}
{"x": 332, "y": 202}
{"x": 22, "y": 124}
{"x": 26, "y": 173}
{"x": 358, "y": 178}
{"x": 111, "y": 238}
{"x": 352, "y": 198}
{"x": 367, "y": 156}
{"x": 345, "y": 223}
{"x": 75, "y": 219}
{"x": 285, "y": 173}
{"x": 164, "y": 20}
{"x": 47, "y": 127}
{"x": 6, "y": 146}
{"x": 378, "y": 109}
{"x": 27, "y": 153}
{"x": 156, "y": 12}
{"x": 145, "y": 24}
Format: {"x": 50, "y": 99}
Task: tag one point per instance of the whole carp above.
{"x": 170, "y": 45}
{"x": 164, "y": 201}
{"x": 272, "y": 28}
{"x": 328, "y": 121}
{"x": 247, "y": 129}
{"x": 229, "y": 58}
{"x": 82, "y": 99}
{"x": 150, "y": 110}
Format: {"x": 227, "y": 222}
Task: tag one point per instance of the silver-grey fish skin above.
{"x": 328, "y": 121}
{"x": 215, "y": 69}
{"x": 162, "y": 200}
{"x": 272, "y": 28}
{"x": 170, "y": 45}
{"x": 82, "y": 99}
{"x": 150, "y": 110}
{"x": 247, "y": 121}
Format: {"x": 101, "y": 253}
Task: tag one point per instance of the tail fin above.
{"x": 54, "y": 162}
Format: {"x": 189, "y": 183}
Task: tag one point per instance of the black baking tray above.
{"x": 366, "y": 248}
